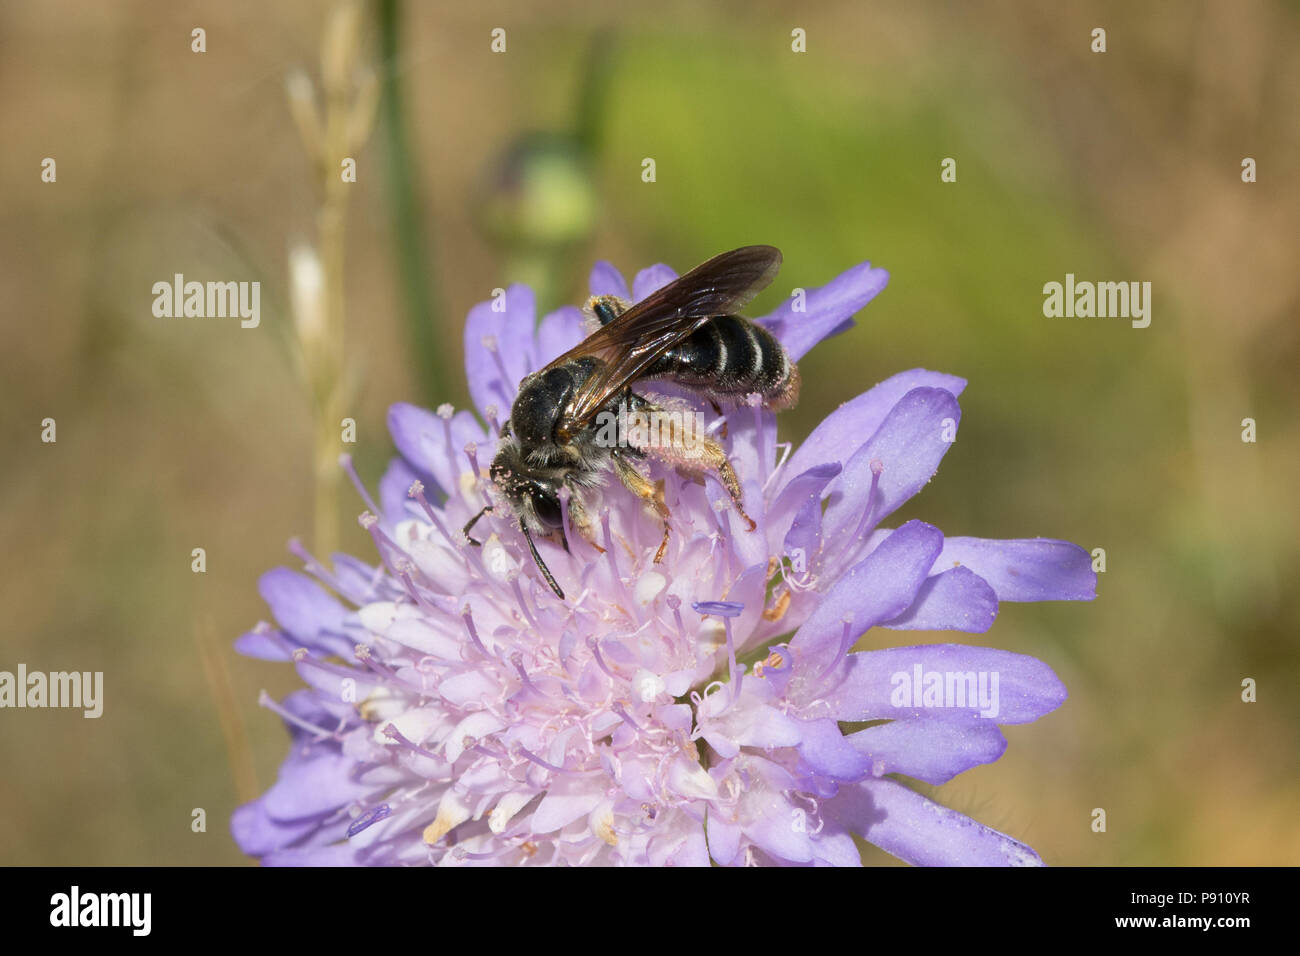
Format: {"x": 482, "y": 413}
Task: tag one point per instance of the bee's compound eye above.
{"x": 547, "y": 508}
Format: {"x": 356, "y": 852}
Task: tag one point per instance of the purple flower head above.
{"x": 666, "y": 713}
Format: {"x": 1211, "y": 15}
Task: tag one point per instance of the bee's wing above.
{"x": 633, "y": 342}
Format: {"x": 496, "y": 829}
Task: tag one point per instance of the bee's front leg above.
{"x": 581, "y": 519}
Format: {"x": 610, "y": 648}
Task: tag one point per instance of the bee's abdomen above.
{"x": 731, "y": 356}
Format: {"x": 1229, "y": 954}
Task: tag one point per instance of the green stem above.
{"x": 414, "y": 258}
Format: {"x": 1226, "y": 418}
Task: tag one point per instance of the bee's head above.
{"x": 533, "y": 492}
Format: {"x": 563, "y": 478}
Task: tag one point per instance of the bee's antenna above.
{"x": 541, "y": 565}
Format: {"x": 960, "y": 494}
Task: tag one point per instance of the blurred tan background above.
{"x": 176, "y": 434}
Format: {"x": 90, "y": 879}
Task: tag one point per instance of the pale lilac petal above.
{"x": 929, "y": 749}
{"x": 753, "y": 440}
{"x": 1025, "y": 569}
{"x": 956, "y": 600}
{"x": 565, "y": 801}
{"x": 724, "y": 838}
{"x": 921, "y": 832}
{"x": 828, "y": 310}
{"x": 685, "y": 846}
{"x": 773, "y": 829}
{"x": 834, "y": 846}
{"x": 1026, "y": 687}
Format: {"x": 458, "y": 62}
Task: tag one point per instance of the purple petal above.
{"x": 606, "y": 280}
{"x": 651, "y": 280}
{"x": 342, "y": 854}
{"x": 922, "y": 832}
{"x": 560, "y": 331}
{"x": 500, "y": 349}
{"x": 956, "y": 600}
{"x": 907, "y": 448}
{"x": 313, "y": 784}
{"x": 804, "y": 487}
{"x": 433, "y": 445}
{"x": 843, "y": 432}
{"x": 834, "y": 846}
{"x": 354, "y": 579}
{"x": 267, "y": 645}
{"x": 309, "y": 613}
{"x": 828, "y": 310}
{"x": 309, "y": 708}
{"x": 394, "y": 488}
{"x": 257, "y": 833}
{"x": 829, "y": 753}
{"x": 878, "y": 588}
{"x": 803, "y": 540}
{"x": 931, "y": 750}
{"x": 1025, "y": 569}
{"x": 884, "y": 684}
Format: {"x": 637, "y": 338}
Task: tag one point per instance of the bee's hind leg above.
{"x": 647, "y": 491}
{"x": 713, "y": 458}
{"x": 681, "y": 442}
{"x": 705, "y": 455}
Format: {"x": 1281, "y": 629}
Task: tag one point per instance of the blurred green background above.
{"x": 526, "y": 165}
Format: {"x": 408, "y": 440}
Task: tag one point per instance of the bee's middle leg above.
{"x": 647, "y": 491}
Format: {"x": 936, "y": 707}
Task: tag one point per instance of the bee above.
{"x": 686, "y": 333}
